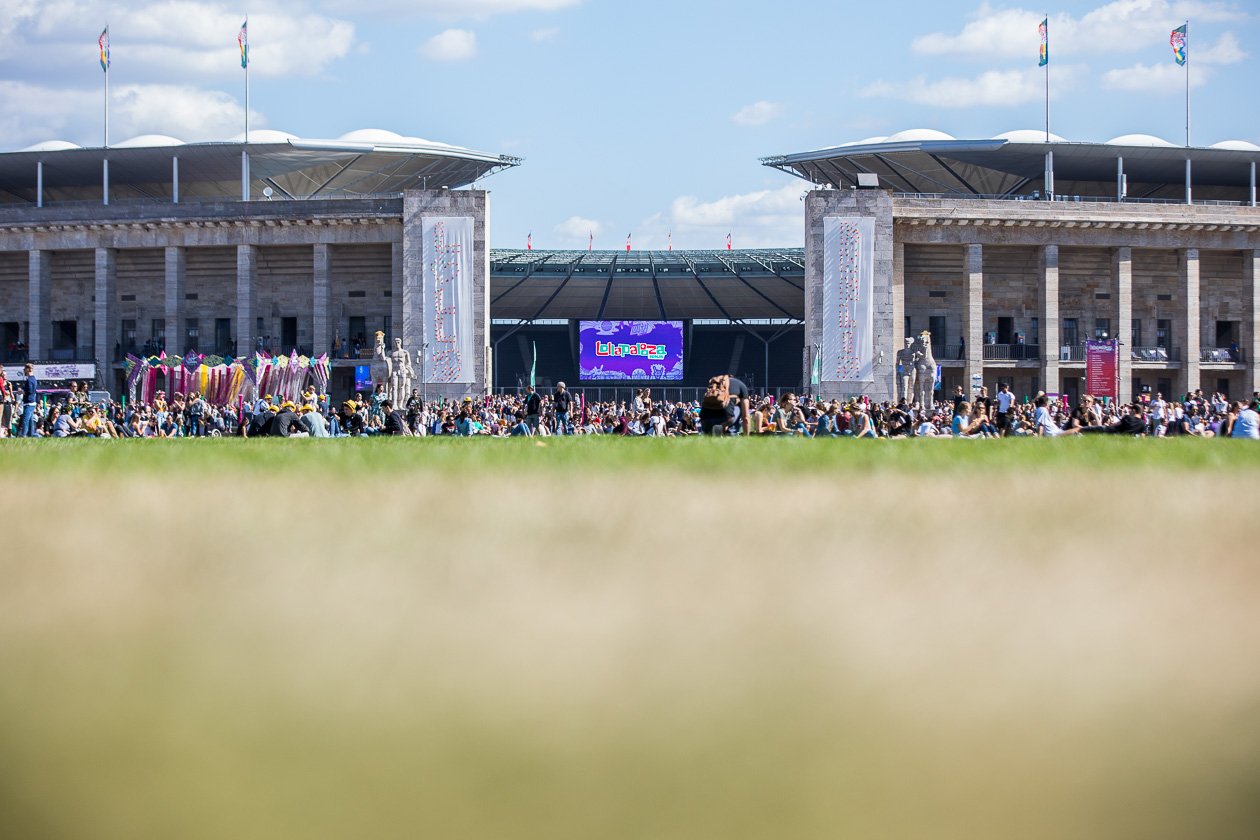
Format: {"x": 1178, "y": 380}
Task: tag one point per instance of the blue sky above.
{"x": 644, "y": 117}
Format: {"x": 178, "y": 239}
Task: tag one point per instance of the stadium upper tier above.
{"x": 665, "y": 285}
{"x": 155, "y": 167}
{"x": 1013, "y": 165}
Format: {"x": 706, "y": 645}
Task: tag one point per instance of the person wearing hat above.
{"x": 313, "y": 422}
{"x": 563, "y": 401}
{"x": 285, "y": 421}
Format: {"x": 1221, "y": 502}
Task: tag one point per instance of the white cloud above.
{"x": 758, "y": 113}
{"x": 451, "y": 45}
{"x": 173, "y": 40}
{"x": 1168, "y": 77}
{"x": 1119, "y": 26}
{"x": 576, "y": 230}
{"x": 34, "y": 113}
{"x": 541, "y": 35}
{"x": 992, "y": 88}
{"x": 759, "y": 219}
{"x": 451, "y": 9}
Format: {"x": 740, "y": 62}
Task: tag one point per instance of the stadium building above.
{"x": 1012, "y": 251}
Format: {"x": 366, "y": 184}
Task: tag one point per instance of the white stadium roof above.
{"x": 363, "y": 162}
{"x": 924, "y": 161}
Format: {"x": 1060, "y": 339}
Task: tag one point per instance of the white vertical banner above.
{"x": 448, "y": 299}
{"x": 848, "y": 327}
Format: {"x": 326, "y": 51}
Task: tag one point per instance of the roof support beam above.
{"x": 612, "y": 272}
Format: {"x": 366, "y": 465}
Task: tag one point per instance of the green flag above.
{"x": 533, "y": 368}
{"x": 816, "y": 376}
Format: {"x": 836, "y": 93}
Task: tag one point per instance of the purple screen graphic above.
{"x": 632, "y": 350}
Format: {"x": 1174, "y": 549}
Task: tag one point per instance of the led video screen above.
{"x": 631, "y": 350}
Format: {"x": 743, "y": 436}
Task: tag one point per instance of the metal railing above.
{"x": 1012, "y": 352}
{"x": 1071, "y": 199}
{"x": 1155, "y": 354}
{"x": 1222, "y": 355}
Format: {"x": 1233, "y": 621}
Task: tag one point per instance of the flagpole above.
{"x": 245, "y": 151}
{"x": 1047, "y": 20}
{"x": 1187, "y": 84}
{"x": 107, "y": 91}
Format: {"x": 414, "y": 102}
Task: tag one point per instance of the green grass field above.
{"x": 629, "y": 639}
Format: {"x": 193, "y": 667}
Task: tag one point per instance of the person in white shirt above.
{"x": 1158, "y": 407}
{"x": 1005, "y": 402}
{"x": 1043, "y": 420}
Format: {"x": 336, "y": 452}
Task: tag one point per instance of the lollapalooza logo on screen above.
{"x": 632, "y": 350}
{"x": 447, "y": 362}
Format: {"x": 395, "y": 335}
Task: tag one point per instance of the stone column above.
{"x": 1050, "y": 318}
{"x": 819, "y": 205}
{"x": 1122, "y": 274}
{"x": 39, "y": 298}
{"x": 176, "y": 272}
{"x": 1250, "y": 338}
{"x": 408, "y": 282}
{"x": 398, "y": 312}
{"x": 973, "y": 320}
{"x": 898, "y": 291}
{"x": 321, "y": 332}
{"x": 246, "y": 274}
{"x": 1190, "y": 279}
{"x": 104, "y": 309}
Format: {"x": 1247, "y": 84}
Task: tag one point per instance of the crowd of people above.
{"x": 729, "y": 409}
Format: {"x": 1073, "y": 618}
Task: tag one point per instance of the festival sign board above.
{"x": 1101, "y": 367}
{"x": 448, "y": 299}
{"x": 54, "y": 371}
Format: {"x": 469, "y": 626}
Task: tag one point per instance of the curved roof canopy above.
{"x": 651, "y": 285}
{"x": 1013, "y": 164}
{"x": 369, "y": 162}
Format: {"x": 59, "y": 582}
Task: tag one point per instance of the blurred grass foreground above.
{"x": 611, "y": 639}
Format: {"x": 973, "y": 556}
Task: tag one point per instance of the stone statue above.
{"x": 400, "y": 374}
{"x": 380, "y": 364}
{"x": 905, "y": 372}
{"x": 924, "y": 370}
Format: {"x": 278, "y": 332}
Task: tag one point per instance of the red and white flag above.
{"x": 529, "y": 241}
{"x": 590, "y": 240}
{"x": 627, "y": 242}
{"x": 671, "y": 241}
{"x": 728, "y": 242}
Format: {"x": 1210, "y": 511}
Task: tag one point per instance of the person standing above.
{"x": 563, "y": 401}
{"x": 533, "y": 409}
{"x": 6, "y": 404}
{"x": 29, "y": 398}
{"x": 1005, "y": 405}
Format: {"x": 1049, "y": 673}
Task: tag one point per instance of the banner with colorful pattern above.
{"x": 448, "y": 299}
{"x": 848, "y": 327}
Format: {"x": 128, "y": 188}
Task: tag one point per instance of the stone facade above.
{"x": 221, "y": 277}
{"x": 876, "y": 204}
{"x": 419, "y": 206}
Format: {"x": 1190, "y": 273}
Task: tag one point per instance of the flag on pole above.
{"x": 1179, "y": 46}
{"x": 533, "y": 368}
{"x": 529, "y": 241}
{"x": 590, "y": 240}
{"x": 728, "y": 242}
{"x": 1044, "y": 31}
{"x": 671, "y": 240}
{"x": 627, "y": 242}
{"x": 104, "y": 45}
{"x": 242, "y": 40}
{"x": 815, "y": 376}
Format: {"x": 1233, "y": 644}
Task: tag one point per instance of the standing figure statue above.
{"x": 905, "y": 372}
{"x": 924, "y": 370}
{"x": 380, "y": 364}
{"x": 400, "y": 374}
